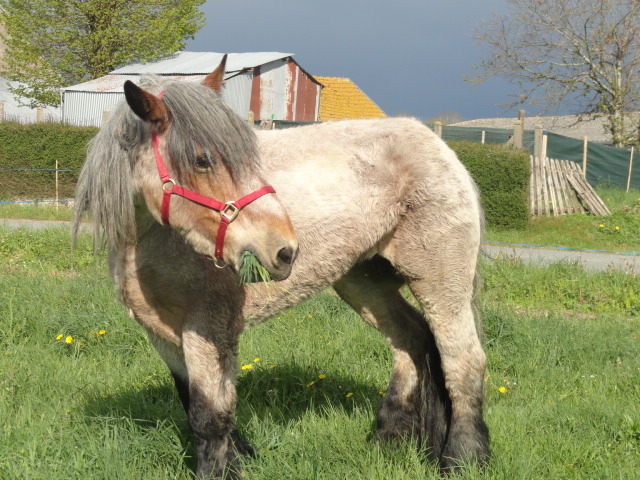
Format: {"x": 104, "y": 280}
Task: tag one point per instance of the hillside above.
{"x": 567, "y": 125}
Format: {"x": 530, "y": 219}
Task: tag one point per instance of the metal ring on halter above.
{"x": 170, "y": 181}
{"x": 216, "y": 260}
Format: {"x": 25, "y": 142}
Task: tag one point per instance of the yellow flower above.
{"x": 272, "y": 366}
{"x": 381, "y": 393}
{"x": 322, "y": 376}
{"x": 255, "y": 360}
{"x": 617, "y": 227}
{"x": 311, "y": 384}
{"x": 310, "y": 316}
{"x": 601, "y": 225}
{"x": 246, "y": 367}
{"x": 350, "y": 394}
{"x": 102, "y": 332}
{"x": 59, "y": 337}
{"x": 502, "y": 389}
{"x": 69, "y": 339}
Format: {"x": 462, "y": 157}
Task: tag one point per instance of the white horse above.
{"x": 374, "y": 204}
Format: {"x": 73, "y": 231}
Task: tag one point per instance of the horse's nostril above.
{"x": 287, "y": 255}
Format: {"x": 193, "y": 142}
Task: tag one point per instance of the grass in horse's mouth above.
{"x": 251, "y": 270}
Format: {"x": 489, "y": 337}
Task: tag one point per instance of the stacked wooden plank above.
{"x": 558, "y": 187}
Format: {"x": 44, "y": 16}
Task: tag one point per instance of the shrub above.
{"x": 502, "y": 176}
{"x": 38, "y": 146}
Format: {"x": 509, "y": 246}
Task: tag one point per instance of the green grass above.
{"x": 104, "y": 406}
{"x": 36, "y": 211}
{"x": 584, "y": 231}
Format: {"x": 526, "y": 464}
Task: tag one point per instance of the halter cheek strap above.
{"x": 228, "y": 210}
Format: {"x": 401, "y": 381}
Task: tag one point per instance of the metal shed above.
{"x": 269, "y": 84}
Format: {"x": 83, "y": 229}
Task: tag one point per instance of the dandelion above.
{"x": 68, "y": 411}
{"x": 59, "y": 337}
{"x": 617, "y": 227}
{"x": 350, "y": 394}
{"x": 311, "y": 384}
{"x": 272, "y": 366}
{"x": 256, "y": 360}
{"x": 502, "y": 389}
{"x": 381, "y": 393}
{"x": 601, "y": 225}
{"x": 69, "y": 339}
{"x": 322, "y": 376}
{"x": 310, "y": 316}
{"x": 246, "y": 367}
{"x": 102, "y": 332}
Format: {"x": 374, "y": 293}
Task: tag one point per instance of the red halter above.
{"x": 228, "y": 210}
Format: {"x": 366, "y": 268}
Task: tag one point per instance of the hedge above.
{"x": 502, "y": 176}
{"x": 38, "y": 146}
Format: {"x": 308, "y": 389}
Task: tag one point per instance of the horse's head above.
{"x": 200, "y": 175}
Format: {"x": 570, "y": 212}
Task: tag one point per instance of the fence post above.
{"x": 1, "y": 111}
{"x": 57, "y": 188}
{"x": 537, "y": 141}
{"x": 437, "y": 128}
{"x": 483, "y": 136}
{"x": 39, "y": 115}
{"x": 585, "y": 149}
{"x": 630, "y": 167}
{"x": 517, "y": 134}
{"x": 544, "y": 146}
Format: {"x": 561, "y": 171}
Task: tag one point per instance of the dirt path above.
{"x": 589, "y": 259}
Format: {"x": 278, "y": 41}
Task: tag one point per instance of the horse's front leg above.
{"x": 210, "y": 358}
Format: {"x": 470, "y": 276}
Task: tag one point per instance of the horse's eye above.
{"x": 203, "y": 162}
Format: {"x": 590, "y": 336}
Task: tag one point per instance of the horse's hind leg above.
{"x": 441, "y": 273}
{"x": 416, "y": 390}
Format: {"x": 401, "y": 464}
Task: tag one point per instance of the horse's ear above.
{"x": 147, "y": 106}
{"x": 215, "y": 79}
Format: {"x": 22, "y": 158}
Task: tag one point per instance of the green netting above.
{"x": 604, "y": 163}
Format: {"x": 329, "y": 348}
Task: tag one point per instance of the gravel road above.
{"x": 589, "y": 259}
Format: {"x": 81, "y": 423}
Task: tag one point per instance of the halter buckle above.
{"x": 168, "y": 185}
{"x": 230, "y": 207}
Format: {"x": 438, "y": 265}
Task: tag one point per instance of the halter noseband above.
{"x": 228, "y": 210}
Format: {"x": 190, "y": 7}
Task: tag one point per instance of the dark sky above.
{"x": 408, "y": 56}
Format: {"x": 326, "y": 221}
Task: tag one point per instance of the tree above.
{"x": 56, "y": 43}
{"x": 581, "y": 54}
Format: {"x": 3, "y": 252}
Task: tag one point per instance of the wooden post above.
{"x": 437, "y": 128}
{"x": 630, "y": 167}
{"x": 544, "y": 146}
{"x": 517, "y": 134}
{"x": 537, "y": 141}
{"x": 39, "y": 115}
{"x": 521, "y": 118}
{"x": 585, "y": 149}
{"x": 1, "y": 111}
{"x": 57, "y": 184}
{"x": 483, "y": 136}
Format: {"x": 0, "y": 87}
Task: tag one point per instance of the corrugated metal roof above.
{"x": 193, "y": 63}
{"x": 342, "y": 99}
{"x": 115, "y": 83}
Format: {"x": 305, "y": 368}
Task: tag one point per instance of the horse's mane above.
{"x": 199, "y": 119}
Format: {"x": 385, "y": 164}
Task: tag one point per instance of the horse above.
{"x": 363, "y": 206}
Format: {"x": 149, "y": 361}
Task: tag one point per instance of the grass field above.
{"x": 83, "y": 395}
